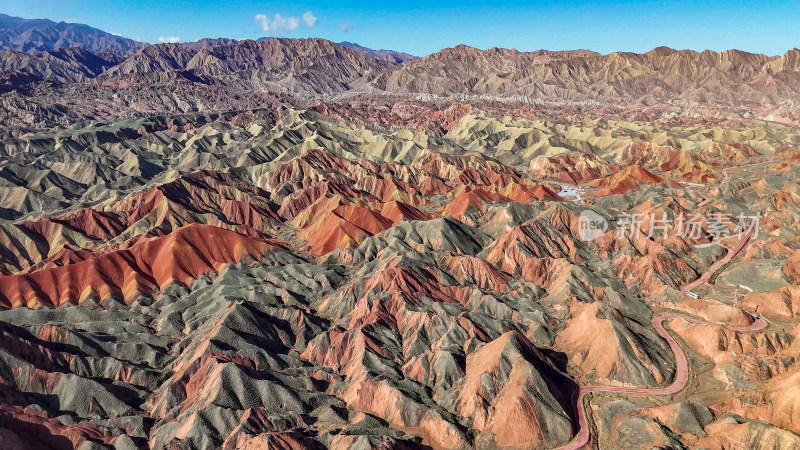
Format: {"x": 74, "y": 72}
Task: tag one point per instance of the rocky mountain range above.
{"x": 38, "y": 35}
{"x": 726, "y": 85}
{"x": 297, "y": 244}
{"x": 296, "y": 66}
{"x": 65, "y": 65}
{"x": 386, "y": 55}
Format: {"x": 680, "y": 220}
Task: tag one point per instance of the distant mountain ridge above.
{"x": 304, "y": 67}
{"x": 286, "y": 66}
{"x": 38, "y": 35}
{"x": 222, "y": 72}
{"x": 318, "y": 67}
{"x": 662, "y": 74}
{"x": 385, "y": 55}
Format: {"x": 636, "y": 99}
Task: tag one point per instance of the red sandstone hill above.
{"x": 381, "y": 272}
{"x": 630, "y": 178}
{"x": 428, "y": 303}
{"x": 205, "y": 197}
{"x": 145, "y": 267}
{"x": 331, "y": 223}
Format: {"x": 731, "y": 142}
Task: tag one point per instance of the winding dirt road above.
{"x": 726, "y": 178}
{"x": 682, "y": 366}
{"x": 682, "y": 374}
{"x": 725, "y": 260}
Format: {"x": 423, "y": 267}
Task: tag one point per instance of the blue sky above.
{"x": 423, "y": 27}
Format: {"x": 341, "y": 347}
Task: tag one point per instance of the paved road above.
{"x": 682, "y": 369}
{"x": 682, "y": 366}
{"x": 726, "y": 178}
{"x": 725, "y": 260}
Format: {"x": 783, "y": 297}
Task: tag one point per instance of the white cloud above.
{"x": 344, "y": 26}
{"x": 263, "y": 20}
{"x": 278, "y": 24}
{"x": 170, "y": 39}
{"x": 309, "y": 19}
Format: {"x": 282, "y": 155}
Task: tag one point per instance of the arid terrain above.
{"x": 291, "y": 244}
